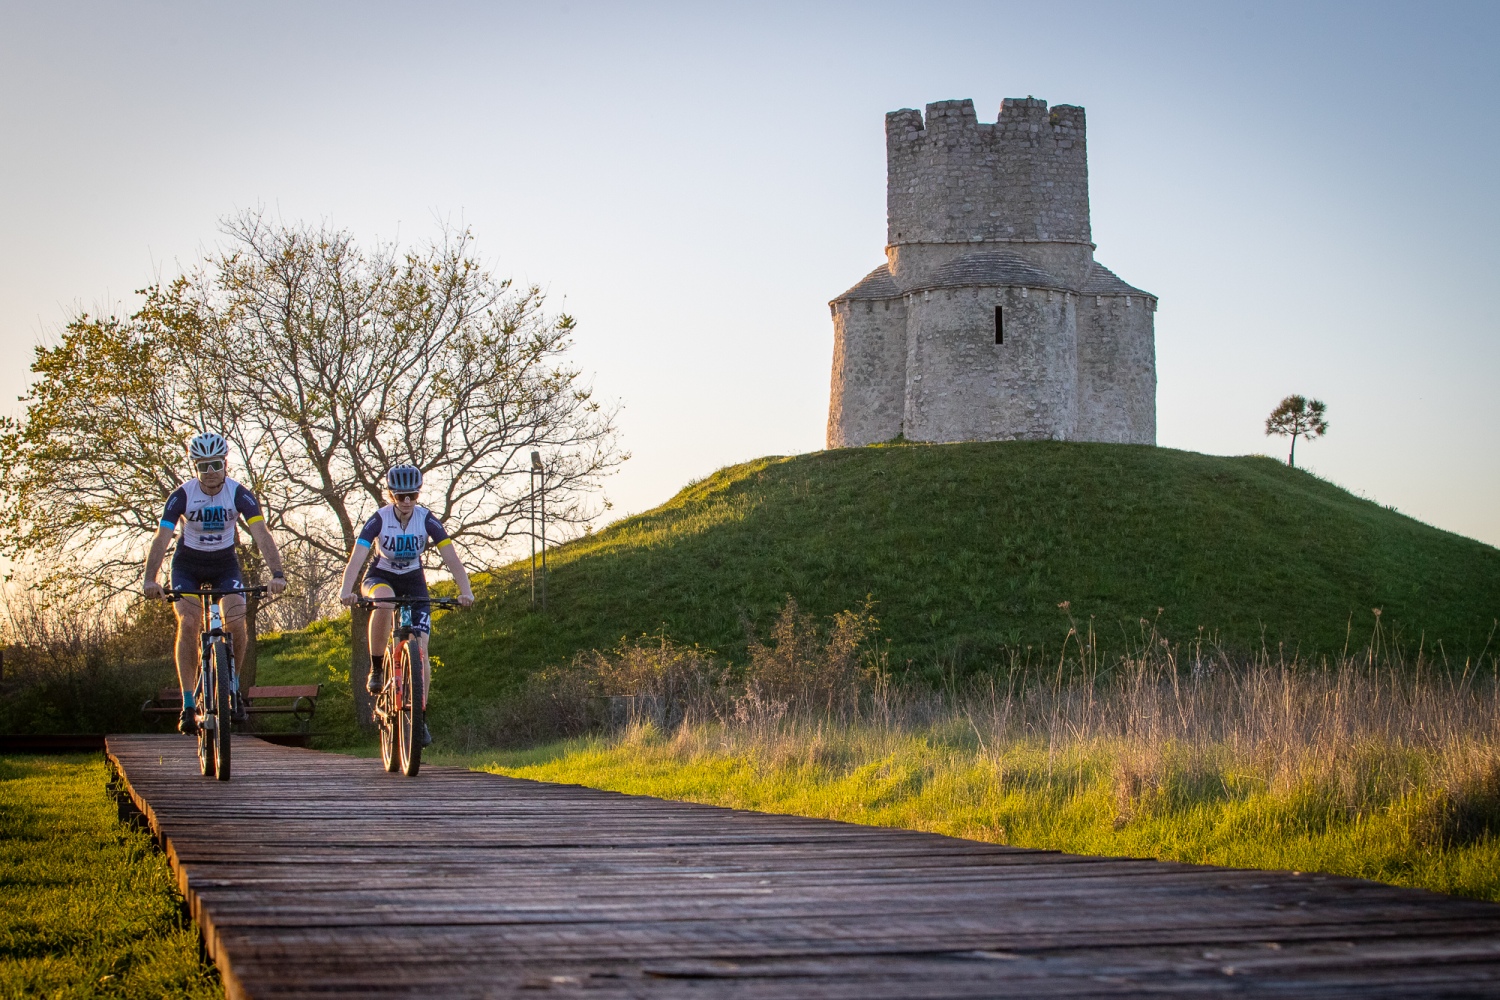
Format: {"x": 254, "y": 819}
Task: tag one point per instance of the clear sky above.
{"x": 1310, "y": 189}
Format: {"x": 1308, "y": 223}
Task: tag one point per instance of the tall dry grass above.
{"x": 1368, "y": 764}
{"x": 802, "y": 668}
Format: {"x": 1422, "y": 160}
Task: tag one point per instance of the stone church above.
{"x": 990, "y": 319}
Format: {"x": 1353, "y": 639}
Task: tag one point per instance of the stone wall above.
{"x": 869, "y": 371}
{"x": 962, "y": 386}
{"x": 1116, "y": 369}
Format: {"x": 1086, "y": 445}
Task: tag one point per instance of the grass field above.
{"x": 967, "y": 551}
{"x": 1351, "y": 771}
{"x": 88, "y": 907}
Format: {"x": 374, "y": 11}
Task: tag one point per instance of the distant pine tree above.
{"x": 1299, "y": 417}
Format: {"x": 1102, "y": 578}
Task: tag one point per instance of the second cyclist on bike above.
{"x": 398, "y": 534}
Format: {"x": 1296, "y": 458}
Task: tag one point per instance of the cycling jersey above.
{"x": 399, "y": 549}
{"x": 208, "y": 519}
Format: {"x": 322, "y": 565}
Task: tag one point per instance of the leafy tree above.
{"x": 324, "y": 364}
{"x": 1297, "y": 416}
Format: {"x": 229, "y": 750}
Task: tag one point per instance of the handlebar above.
{"x": 173, "y": 595}
{"x": 396, "y": 602}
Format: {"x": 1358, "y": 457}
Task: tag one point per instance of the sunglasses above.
{"x": 212, "y": 465}
{"x": 404, "y": 497}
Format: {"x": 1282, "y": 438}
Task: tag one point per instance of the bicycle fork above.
{"x": 215, "y": 630}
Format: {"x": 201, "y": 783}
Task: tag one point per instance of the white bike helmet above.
{"x": 403, "y": 479}
{"x": 207, "y": 445}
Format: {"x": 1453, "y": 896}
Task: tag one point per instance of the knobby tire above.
{"x": 222, "y": 669}
{"x": 411, "y": 708}
{"x": 385, "y": 703}
{"x": 203, "y": 692}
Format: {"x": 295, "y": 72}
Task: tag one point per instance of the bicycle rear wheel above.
{"x": 410, "y": 727}
{"x": 220, "y": 734}
{"x": 203, "y": 693}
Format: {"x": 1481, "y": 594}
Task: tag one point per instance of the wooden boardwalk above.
{"x": 319, "y": 875}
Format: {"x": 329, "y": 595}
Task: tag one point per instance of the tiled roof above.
{"x": 875, "y": 285}
{"x": 991, "y": 267}
{"x": 988, "y": 268}
{"x": 1103, "y": 281}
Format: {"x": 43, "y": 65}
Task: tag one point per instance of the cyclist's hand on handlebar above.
{"x": 466, "y": 599}
{"x": 349, "y": 600}
{"x": 153, "y": 589}
{"x": 276, "y": 586}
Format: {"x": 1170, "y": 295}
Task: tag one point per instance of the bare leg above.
{"x": 189, "y": 625}
{"x": 381, "y": 617}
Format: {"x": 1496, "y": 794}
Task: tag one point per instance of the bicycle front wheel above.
{"x": 385, "y": 719}
{"x": 221, "y": 669}
{"x": 203, "y": 694}
{"x": 410, "y": 725}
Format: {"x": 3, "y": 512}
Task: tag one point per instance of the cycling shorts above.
{"x": 194, "y": 568}
{"x": 407, "y": 586}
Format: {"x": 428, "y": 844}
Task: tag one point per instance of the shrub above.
{"x": 805, "y": 669}
{"x": 80, "y": 666}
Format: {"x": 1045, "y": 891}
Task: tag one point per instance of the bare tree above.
{"x": 1299, "y": 417}
{"x": 343, "y": 362}
{"x": 312, "y": 593}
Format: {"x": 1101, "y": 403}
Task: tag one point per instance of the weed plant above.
{"x": 88, "y": 906}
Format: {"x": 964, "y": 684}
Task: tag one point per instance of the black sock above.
{"x": 376, "y": 662}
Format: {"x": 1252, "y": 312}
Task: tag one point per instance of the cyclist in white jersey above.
{"x": 398, "y": 534}
{"x": 209, "y": 507}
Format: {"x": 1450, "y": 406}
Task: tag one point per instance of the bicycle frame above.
{"x": 402, "y": 700}
{"x": 215, "y": 691}
{"x": 396, "y": 666}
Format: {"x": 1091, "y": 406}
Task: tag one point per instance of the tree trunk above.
{"x": 359, "y": 667}
{"x": 252, "y": 650}
{"x": 1291, "y": 459}
{"x": 252, "y": 647}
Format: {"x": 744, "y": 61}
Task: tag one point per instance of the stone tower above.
{"x": 990, "y": 319}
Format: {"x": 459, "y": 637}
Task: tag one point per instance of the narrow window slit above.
{"x": 999, "y": 324}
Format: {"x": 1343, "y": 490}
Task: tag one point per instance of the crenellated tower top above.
{"x": 954, "y": 179}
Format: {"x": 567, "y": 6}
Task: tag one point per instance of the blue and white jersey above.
{"x": 399, "y": 549}
{"x": 208, "y": 519}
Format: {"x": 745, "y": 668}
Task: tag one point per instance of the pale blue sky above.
{"x": 1308, "y": 188}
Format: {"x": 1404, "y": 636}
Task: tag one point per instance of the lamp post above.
{"x": 538, "y": 521}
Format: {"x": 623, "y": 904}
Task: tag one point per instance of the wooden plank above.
{"x": 321, "y": 875}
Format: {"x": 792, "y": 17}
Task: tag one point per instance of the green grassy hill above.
{"x": 970, "y": 548}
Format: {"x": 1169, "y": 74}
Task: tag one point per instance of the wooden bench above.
{"x": 297, "y": 700}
